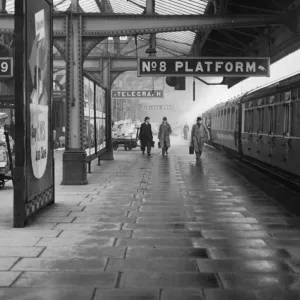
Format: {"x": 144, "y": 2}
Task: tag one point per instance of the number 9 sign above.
{"x": 6, "y": 67}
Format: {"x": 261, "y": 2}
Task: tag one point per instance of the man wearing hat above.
{"x": 146, "y": 136}
{"x": 199, "y": 135}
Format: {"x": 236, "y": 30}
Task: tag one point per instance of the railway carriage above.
{"x": 223, "y": 123}
{"x": 263, "y": 125}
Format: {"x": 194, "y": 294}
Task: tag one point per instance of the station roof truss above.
{"x": 213, "y": 28}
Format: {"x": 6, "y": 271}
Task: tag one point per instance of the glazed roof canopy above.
{"x": 179, "y": 43}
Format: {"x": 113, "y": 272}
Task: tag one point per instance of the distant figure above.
{"x": 199, "y": 134}
{"x": 185, "y": 131}
{"x": 146, "y": 136}
{"x": 164, "y": 136}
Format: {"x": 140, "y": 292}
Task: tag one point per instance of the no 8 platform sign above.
{"x": 6, "y": 67}
{"x": 204, "y": 66}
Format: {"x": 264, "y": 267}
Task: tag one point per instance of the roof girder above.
{"x": 97, "y": 25}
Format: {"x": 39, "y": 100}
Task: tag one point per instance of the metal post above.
{"x": 108, "y": 155}
{"x": 150, "y": 9}
{"x": 2, "y": 6}
{"x": 74, "y": 157}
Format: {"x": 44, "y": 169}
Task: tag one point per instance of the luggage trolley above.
{"x": 128, "y": 143}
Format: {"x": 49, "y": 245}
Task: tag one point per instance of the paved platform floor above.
{"x": 157, "y": 228}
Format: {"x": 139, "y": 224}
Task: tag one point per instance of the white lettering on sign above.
{"x": 229, "y": 67}
{"x": 208, "y": 64}
{"x": 178, "y": 65}
{"x": 158, "y": 94}
{"x": 199, "y": 67}
{"x": 146, "y": 66}
{"x": 239, "y": 67}
{"x": 138, "y": 94}
{"x": 251, "y": 67}
{"x": 219, "y": 65}
{"x": 4, "y": 66}
{"x": 187, "y": 67}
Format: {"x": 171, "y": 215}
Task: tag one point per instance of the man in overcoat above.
{"x": 146, "y": 136}
{"x": 199, "y": 135}
{"x": 164, "y": 136}
{"x": 186, "y": 131}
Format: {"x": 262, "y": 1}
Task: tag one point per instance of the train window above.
{"x": 282, "y": 97}
{"x": 255, "y": 120}
{"x": 271, "y": 119}
{"x": 250, "y": 121}
{"x": 296, "y": 119}
{"x": 277, "y": 98}
{"x": 261, "y": 120}
{"x": 266, "y": 122}
{"x": 294, "y": 94}
{"x": 228, "y": 119}
{"x": 246, "y": 121}
{"x": 287, "y": 122}
{"x": 288, "y": 96}
{"x": 233, "y": 110}
{"x": 279, "y": 119}
{"x": 232, "y": 119}
{"x": 271, "y": 99}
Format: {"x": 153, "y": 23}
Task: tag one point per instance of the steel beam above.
{"x": 97, "y": 25}
{"x": 115, "y": 25}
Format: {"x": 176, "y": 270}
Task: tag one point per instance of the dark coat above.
{"x": 146, "y": 136}
{"x": 164, "y": 135}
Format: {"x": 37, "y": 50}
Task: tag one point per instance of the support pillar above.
{"x": 2, "y": 6}
{"x": 109, "y": 154}
{"x": 74, "y": 157}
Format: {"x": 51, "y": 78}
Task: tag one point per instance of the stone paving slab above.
{"x": 160, "y": 228}
{"x": 46, "y": 294}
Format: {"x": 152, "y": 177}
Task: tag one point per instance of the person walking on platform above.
{"x": 199, "y": 135}
{"x": 185, "y": 131}
{"x": 164, "y": 136}
{"x": 146, "y": 136}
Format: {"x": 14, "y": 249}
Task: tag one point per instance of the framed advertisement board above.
{"x": 34, "y": 171}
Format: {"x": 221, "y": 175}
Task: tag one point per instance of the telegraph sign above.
{"x": 158, "y": 107}
{"x": 6, "y": 67}
{"x": 204, "y": 66}
{"x": 137, "y": 94}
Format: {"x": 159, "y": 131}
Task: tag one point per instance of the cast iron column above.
{"x": 74, "y": 157}
{"x": 2, "y": 6}
{"x": 109, "y": 154}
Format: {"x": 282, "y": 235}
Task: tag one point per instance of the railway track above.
{"x": 284, "y": 178}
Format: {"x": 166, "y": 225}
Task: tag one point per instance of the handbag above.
{"x": 159, "y": 145}
{"x": 191, "y": 149}
{"x": 152, "y": 144}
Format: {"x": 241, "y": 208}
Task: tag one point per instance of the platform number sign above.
{"x": 204, "y": 66}
{"x": 6, "y": 67}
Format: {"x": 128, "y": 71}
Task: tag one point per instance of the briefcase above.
{"x": 191, "y": 150}
{"x": 159, "y": 145}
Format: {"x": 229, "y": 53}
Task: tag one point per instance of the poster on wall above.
{"x": 91, "y": 123}
{"x": 100, "y": 115}
{"x": 33, "y": 109}
{"x": 86, "y": 96}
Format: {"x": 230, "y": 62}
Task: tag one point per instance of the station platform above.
{"x": 158, "y": 228}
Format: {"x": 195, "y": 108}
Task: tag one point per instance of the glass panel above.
{"x": 279, "y": 119}
{"x": 296, "y": 119}
{"x": 256, "y": 117}
{"x": 266, "y": 118}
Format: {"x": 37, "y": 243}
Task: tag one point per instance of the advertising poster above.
{"x": 91, "y": 119}
{"x": 86, "y": 96}
{"x": 39, "y": 85}
{"x": 34, "y": 162}
{"x": 100, "y": 112}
